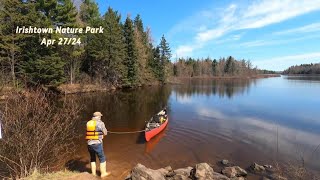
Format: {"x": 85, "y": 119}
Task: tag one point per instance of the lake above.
{"x": 259, "y": 120}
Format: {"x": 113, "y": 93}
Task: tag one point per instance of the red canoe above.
{"x": 154, "y": 128}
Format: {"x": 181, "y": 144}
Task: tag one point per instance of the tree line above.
{"x": 190, "y": 67}
{"x": 303, "y": 69}
{"x": 123, "y": 54}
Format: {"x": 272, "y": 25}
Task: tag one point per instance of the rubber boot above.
{"x": 103, "y": 170}
{"x": 93, "y": 168}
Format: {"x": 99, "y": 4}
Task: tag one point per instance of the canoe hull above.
{"x": 153, "y": 132}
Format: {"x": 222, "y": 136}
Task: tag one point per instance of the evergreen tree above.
{"x": 143, "y": 50}
{"x": 43, "y": 65}
{"x": 89, "y": 15}
{"x": 106, "y": 52}
{"x": 215, "y": 70}
{"x": 89, "y": 12}
{"x": 230, "y": 66}
{"x": 131, "y": 52}
{"x": 165, "y": 55}
{"x": 10, "y": 52}
{"x": 66, "y": 15}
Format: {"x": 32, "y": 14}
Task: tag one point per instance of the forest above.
{"x": 303, "y": 69}
{"x": 123, "y": 55}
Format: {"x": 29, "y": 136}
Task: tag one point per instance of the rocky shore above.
{"x": 205, "y": 171}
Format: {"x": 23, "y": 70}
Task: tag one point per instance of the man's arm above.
{"x": 104, "y": 129}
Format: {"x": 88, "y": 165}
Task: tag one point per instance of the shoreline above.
{"x": 79, "y": 88}
{"x": 222, "y": 170}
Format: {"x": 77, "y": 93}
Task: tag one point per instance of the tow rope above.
{"x": 125, "y": 132}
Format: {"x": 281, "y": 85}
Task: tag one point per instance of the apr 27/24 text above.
{"x": 61, "y": 41}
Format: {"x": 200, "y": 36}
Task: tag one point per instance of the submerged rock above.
{"x": 267, "y": 166}
{"x": 225, "y": 162}
{"x": 256, "y": 168}
{"x": 276, "y": 177}
{"x": 234, "y": 171}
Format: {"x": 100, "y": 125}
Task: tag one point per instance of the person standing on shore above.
{"x": 96, "y": 130}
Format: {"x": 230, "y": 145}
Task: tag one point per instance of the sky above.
{"x": 273, "y": 34}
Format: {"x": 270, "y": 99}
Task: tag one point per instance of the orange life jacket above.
{"x": 92, "y": 133}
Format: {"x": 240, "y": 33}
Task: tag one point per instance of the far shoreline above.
{"x": 79, "y": 88}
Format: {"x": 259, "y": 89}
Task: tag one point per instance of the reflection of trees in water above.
{"x": 220, "y": 87}
{"x": 126, "y": 109}
{"x": 306, "y": 78}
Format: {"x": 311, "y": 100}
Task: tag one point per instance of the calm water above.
{"x": 263, "y": 120}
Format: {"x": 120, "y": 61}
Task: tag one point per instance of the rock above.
{"x": 276, "y": 177}
{"x": 267, "y": 166}
{"x": 167, "y": 171}
{"x": 218, "y": 176}
{"x": 234, "y": 171}
{"x": 203, "y": 171}
{"x": 180, "y": 177}
{"x": 183, "y": 171}
{"x": 238, "y": 178}
{"x": 256, "y": 168}
{"x": 140, "y": 172}
{"x": 224, "y": 162}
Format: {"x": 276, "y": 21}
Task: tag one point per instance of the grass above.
{"x": 36, "y": 175}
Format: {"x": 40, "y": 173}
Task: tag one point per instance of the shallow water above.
{"x": 262, "y": 120}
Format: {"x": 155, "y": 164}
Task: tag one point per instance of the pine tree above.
{"x": 89, "y": 12}
{"x": 143, "y": 50}
{"x": 66, "y": 16}
{"x": 12, "y": 14}
{"x": 43, "y": 65}
{"x": 215, "y": 70}
{"x": 131, "y": 52}
{"x": 230, "y": 66}
{"x": 107, "y": 51}
{"x": 114, "y": 46}
{"x": 89, "y": 15}
{"x": 165, "y": 55}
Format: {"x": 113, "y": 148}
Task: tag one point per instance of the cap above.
{"x": 97, "y": 114}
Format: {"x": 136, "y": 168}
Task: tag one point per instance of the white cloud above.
{"x": 304, "y": 29}
{"x": 184, "y": 51}
{"x": 256, "y": 15}
{"x": 184, "y": 99}
{"x": 281, "y": 63}
{"x": 257, "y": 43}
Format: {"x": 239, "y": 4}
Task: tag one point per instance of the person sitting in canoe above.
{"x": 162, "y": 115}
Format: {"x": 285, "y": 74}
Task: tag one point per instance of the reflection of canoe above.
{"x": 150, "y": 145}
{"x": 154, "y": 128}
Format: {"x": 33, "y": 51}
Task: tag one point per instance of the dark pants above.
{"x": 96, "y": 149}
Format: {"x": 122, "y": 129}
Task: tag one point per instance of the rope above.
{"x": 126, "y": 132}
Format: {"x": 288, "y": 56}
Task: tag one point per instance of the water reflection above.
{"x": 150, "y": 145}
{"x": 279, "y": 140}
{"x": 237, "y": 119}
{"x": 125, "y": 110}
{"x": 208, "y": 87}
{"x": 308, "y": 78}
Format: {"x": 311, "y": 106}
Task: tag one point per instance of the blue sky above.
{"x": 273, "y": 34}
